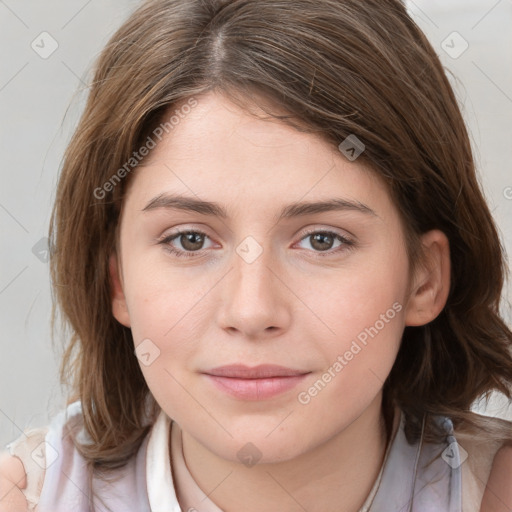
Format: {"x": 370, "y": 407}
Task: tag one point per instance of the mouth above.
{"x": 255, "y": 383}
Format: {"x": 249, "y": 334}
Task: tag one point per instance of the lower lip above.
{"x": 255, "y": 389}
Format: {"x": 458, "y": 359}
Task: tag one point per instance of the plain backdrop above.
{"x": 47, "y": 49}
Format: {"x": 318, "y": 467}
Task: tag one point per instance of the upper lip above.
{"x": 261, "y": 371}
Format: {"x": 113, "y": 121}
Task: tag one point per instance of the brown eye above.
{"x": 322, "y": 241}
{"x": 191, "y": 241}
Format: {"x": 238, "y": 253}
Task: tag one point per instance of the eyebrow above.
{"x": 191, "y": 204}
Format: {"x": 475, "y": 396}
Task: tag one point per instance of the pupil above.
{"x": 320, "y": 237}
{"x": 189, "y": 241}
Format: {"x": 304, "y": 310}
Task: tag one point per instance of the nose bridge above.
{"x": 254, "y": 299}
{"x": 253, "y": 272}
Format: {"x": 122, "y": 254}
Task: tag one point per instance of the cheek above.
{"x": 162, "y": 314}
{"x": 162, "y": 299}
{"x": 356, "y": 298}
{"x": 358, "y": 358}
{"x": 363, "y": 310}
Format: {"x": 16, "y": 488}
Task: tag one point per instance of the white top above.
{"x": 417, "y": 477}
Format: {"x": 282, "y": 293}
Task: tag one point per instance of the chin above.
{"x": 256, "y": 446}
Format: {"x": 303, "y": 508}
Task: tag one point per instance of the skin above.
{"x": 12, "y": 479}
{"x": 291, "y": 306}
{"x": 498, "y": 491}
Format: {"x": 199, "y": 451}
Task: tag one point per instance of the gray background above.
{"x": 40, "y": 102}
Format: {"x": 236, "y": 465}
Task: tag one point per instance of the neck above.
{"x": 336, "y": 476}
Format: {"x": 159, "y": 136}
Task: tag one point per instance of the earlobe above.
{"x": 431, "y": 286}
{"x": 118, "y": 300}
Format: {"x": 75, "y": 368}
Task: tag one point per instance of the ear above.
{"x": 119, "y": 307}
{"x": 431, "y": 284}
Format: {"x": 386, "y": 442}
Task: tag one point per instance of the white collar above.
{"x": 161, "y": 493}
{"x": 160, "y": 484}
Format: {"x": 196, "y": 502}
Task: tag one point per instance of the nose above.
{"x": 256, "y": 302}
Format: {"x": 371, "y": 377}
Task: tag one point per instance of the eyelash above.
{"x": 347, "y": 244}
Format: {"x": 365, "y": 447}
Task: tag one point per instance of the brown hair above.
{"x": 339, "y": 67}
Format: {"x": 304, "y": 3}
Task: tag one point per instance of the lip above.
{"x": 255, "y": 383}
{"x": 241, "y": 371}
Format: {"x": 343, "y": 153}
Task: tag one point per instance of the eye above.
{"x": 322, "y": 242}
{"x": 191, "y": 242}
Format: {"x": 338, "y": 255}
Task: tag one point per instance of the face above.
{"x": 322, "y": 292}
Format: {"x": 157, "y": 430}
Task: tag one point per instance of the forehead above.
{"x": 221, "y": 152}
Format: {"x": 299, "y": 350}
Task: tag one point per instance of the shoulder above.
{"x": 498, "y": 491}
{"x": 24, "y": 465}
{"x": 13, "y": 479}
{"x": 22, "y": 471}
{"x": 487, "y": 465}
